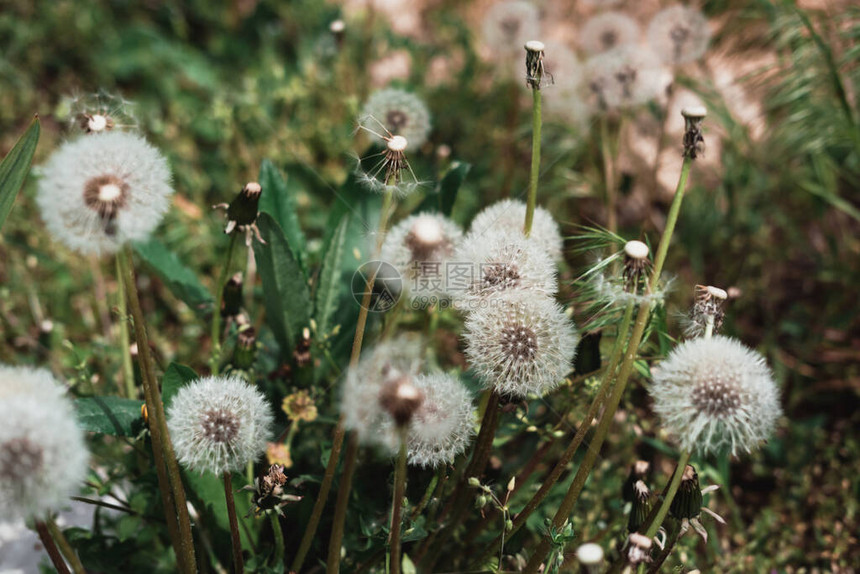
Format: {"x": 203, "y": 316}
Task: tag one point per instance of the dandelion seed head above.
{"x": 219, "y": 424}
{"x": 507, "y": 26}
{"x": 28, "y": 381}
{"x": 99, "y": 112}
{"x": 401, "y": 113}
{"x": 716, "y": 394}
{"x": 99, "y": 192}
{"x": 609, "y": 30}
{"x": 679, "y": 34}
{"x": 520, "y": 344}
{"x": 510, "y": 215}
{"x": 623, "y": 77}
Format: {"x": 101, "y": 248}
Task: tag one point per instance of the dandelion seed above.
{"x": 520, "y": 344}
{"x": 400, "y": 113}
{"x": 507, "y": 26}
{"x": 391, "y": 173}
{"x": 100, "y": 112}
{"x": 624, "y": 77}
{"x": 607, "y": 31}
{"x": 219, "y": 424}
{"x": 38, "y": 436}
{"x": 98, "y": 193}
{"x": 715, "y": 394}
{"x": 510, "y": 214}
{"x": 679, "y": 34}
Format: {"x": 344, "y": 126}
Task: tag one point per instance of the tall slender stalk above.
{"x": 609, "y": 175}
{"x": 591, "y": 455}
{"x": 238, "y": 559}
{"x": 167, "y": 469}
{"x": 124, "y": 339}
{"x": 278, "y": 534}
{"x": 652, "y": 525}
{"x": 65, "y": 548}
{"x": 51, "y": 548}
{"x": 214, "y": 362}
{"x": 397, "y": 504}
{"x": 336, "y": 538}
{"x": 534, "y": 176}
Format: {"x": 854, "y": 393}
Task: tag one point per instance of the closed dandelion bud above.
{"x": 231, "y": 300}
{"x": 679, "y": 34}
{"x": 694, "y": 141}
{"x": 400, "y": 113}
{"x": 245, "y": 354}
{"x": 43, "y": 457}
{"x": 219, "y": 424}
{"x": 242, "y": 212}
{"x": 534, "y": 63}
{"x": 400, "y": 398}
{"x": 639, "y": 471}
{"x": 641, "y": 506}
{"x": 688, "y": 500}
{"x": 98, "y": 193}
{"x": 716, "y": 394}
{"x": 609, "y": 30}
{"x": 509, "y": 215}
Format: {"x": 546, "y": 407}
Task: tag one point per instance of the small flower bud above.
{"x": 641, "y": 506}
{"x": 512, "y": 484}
{"x": 243, "y": 210}
{"x": 473, "y": 481}
{"x": 231, "y": 298}
{"x": 246, "y": 349}
{"x": 481, "y": 501}
{"x": 688, "y": 501}
{"x": 509, "y": 525}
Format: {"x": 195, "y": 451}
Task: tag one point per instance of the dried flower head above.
{"x": 510, "y": 215}
{"x": 419, "y": 247}
{"x": 219, "y": 424}
{"x": 694, "y": 140}
{"x": 502, "y": 261}
{"x": 706, "y": 315}
{"x": 714, "y": 394}
{"x": 97, "y": 193}
{"x": 507, "y": 26}
{"x": 609, "y": 30}
{"x": 442, "y": 426}
{"x": 100, "y": 112}
{"x": 269, "y": 495}
{"x": 279, "y": 453}
{"x": 400, "y": 113}
{"x": 520, "y": 344}
{"x": 535, "y": 71}
{"x": 43, "y": 458}
{"x": 300, "y": 406}
{"x": 679, "y": 34}
{"x": 388, "y": 171}
{"x": 242, "y": 212}
{"x": 624, "y": 77}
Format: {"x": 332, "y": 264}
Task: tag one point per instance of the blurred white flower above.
{"x": 507, "y": 26}
{"x": 399, "y": 112}
{"x": 624, "y": 77}
{"x": 679, "y": 34}
{"x": 608, "y": 30}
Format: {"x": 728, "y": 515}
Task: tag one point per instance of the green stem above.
{"x": 336, "y": 538}
{"x": 279, "y": 538}
{"x": 214, "y": 362}
{"x": 238, "y": 560}
{"x": 51, "y": 548}
{"x": 65, "y": 548}
{"x": 591, "y": 455}
{"x": 652, "y": 525}
{"x": 169, "y": 478}
{"x": 397, "y": 504}
{"x": 428, "y": 494}
{"x": 124, "y": 338}
{"x": 535, "y": 171}
{"x": 672, "y": 539}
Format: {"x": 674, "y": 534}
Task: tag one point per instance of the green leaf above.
{"x": 110, "y": 415}
{"x": 450, "y": 185}
{"x": 181, "y": 280}
{"x": 279, "y": 201}
{"x": 175, "y": 377}
{"x": 330, "y": 282}
{"x": 15, "y": 167}
{"x": 285, "y": 288}
{"x": 209, "y": 489}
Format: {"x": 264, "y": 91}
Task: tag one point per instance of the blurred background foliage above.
{"x": 774, "y": 214}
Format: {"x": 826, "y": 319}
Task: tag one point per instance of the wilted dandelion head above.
{"x": 100, "y": 112}
{"x": 43, "y": 458}
{"x": 679, "y": 34}
{"x": 707, "y": 311}
{"x": 507, "y": 26}
{"x": 520, "y": 344}
{"x": 400, "y": 112}
{"x": 503, "y": 261}
{"x": 419, "y": 247}
{"x": 624, "y": 77}
{"x": 714, "y": 394}
{"x": 510, "y": 215}
{"x": 388, "y": 171}
{"x": 98, "y": 193}
{"x": 607, "y": 31}
{"x": 219, "y": 424}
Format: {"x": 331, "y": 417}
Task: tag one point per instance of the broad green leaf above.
{"x": 285, "y": 288}
{"x": 279, "y": 201}
{"x": 330, "y": 283}
{"x": 15, "y": 167}
{"x": 110, "y": 415}
{"x": 450, "y": 185}
{"x": 175, "y": 377}
{"x": 181, "y": 280}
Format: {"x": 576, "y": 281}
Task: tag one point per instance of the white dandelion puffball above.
{"x": 510, "y": 215}
{"x": 442, "y": 427}
{"x": 679, "y": 34}
{"x": 420, "y": 247}
{"x": 624, "y": 77}
{"x": 100, "y": 191}
{"x": 520, "y": 344}
{"x": 399, "y": 112}
{"x": 360, "y": 402}
{"x": 607, "y": 31}
{"x": 507, "y": 26}
{"x": 502, "y": 261}
{"x": 219, "y": 424}
{"x": 43, "y": 457}
{"x": 714, "y": 394}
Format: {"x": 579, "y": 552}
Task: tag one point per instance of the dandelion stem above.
{"x": 214, "y": 362}
{"x": 167, "y": 469}
{"x": 349, "y": 460}
{"x": 655, "y": 566}
{"x": 653, "y": 523}
{"x": 238, "y": 560}
{"x": 397, "y": 504}
{"x": 124, "y": 338}
{"x": 279, "y": 538}
{"x": 51, "y": 548}
{"x": 587, "y": 464}
{"x": 65, "y": 548}
{"x": 535, "y": 172}
{"x": 609, "y": 176}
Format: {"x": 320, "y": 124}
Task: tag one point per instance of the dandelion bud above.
{"x": 641, "y": 506}
{"x": 246, "y": 349}
{"x": 638, "y": 548}
{"x": 694, "y": 141}
{"x": 688, "y": 501}
{"x": 639, "y": 471}
{"x": 242, "y": 212}
{"x": 400, "y": 398}
{"x": 231, "y": 300}
{"x": 534, "y": 63}
{"x": 590, "y": 555}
